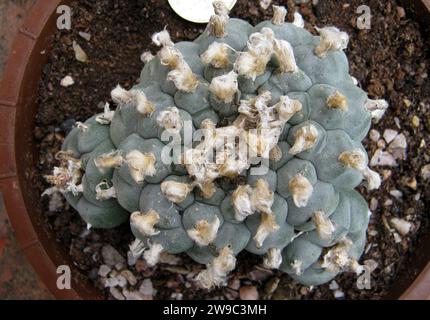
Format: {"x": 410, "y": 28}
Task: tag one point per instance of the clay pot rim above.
{"x": 34, "y": 240}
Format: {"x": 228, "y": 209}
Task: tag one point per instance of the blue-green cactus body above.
{"x": 332, "y": 183}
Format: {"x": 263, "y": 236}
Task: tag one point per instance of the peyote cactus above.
{"x": 276, "y": 179}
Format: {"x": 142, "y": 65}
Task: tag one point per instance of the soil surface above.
{"x": 18, "y": 279}
{"x": 390, "y": 61}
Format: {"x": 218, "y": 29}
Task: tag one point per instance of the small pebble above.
{"x": 371, "y": 265}
{"x": 401, "y": 12}
{"x": 80, "y": 54}
{"x": 265, "y": 4}
{"x": 111, "y": 256}
{"x": 396, "y": 194}
{"x": 333, "y": 285}
{"x": 133, "y": 295}
{"x": 383, "y": 158}
{"x": 131, "y": 279}
{"x": 399, "y": 142}
{"x": 249, "y": 293}
{"x": 272, "y": 285}
{"x": 407, "y": 102}
{"x": 411, "y": 183}
{"x": 389, "y": 135}
{"x": 177, "y": 296}
{"x": 146, "y": 288}
{"x": 67, "y": 81}
{"x": 85, "y": 35}
{"x": 260, "y": 274}
{"x": 401, "y": 225}
{"x": 374, "y": 204}
{"x": 397, "y": 122}
{"x": 56, "y": 202}
{"x": 338, "y": 294}
{"x": 425, "y": 172}
{"x": 397, "y": 237}
{"x": 386, "y": 174}
{"x": 111, "y": 282}
{"x": 373, "y": 233}
{"x": 415, "y": 121}
{"x": 141, "y": 266}
{"x": 119, "y": 266}
{"x": 131, "y": 259}
{"x": 374, "y": 135}
{"x": 234, "y": 284}
{"x": 116, "y": 293}
{"x": 169, "y": 259}
{"x": 381, "y": 144}
{"x": 122, "y": 281}
{"x": 104, "y": 270}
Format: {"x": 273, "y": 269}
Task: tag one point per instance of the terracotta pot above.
{"x": 18, "y": 157}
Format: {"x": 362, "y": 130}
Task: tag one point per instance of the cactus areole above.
{"x": 248, "y": 138}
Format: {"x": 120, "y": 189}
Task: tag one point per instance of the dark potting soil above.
{"x": 390, "y": 61}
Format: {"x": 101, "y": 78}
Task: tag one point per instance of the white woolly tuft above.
{"x": 325, "y": 227}
{"x": 217, "y": 271}
{"x": 146, "y": 57}
{"x": 107, "y": 116}
{"x": 332, "y": 39}
{"x": 66, "y": 179}
{"x": 356, "y": 159}
{"x": 176, "y": 192}
{"x": 241, "y": 200}
{"x": 183, "y": 78}
{"x": 273, "y": 259}
{"x": 279, "y": 15}
{"x": 253, "y": 62}
{"x": 204, "y": 232}
{"x": 377, "y": 108}
{"x": 143, "y": 105}
{"x": 152, "y": 256}
{"x": 170, "y": 120}
{"x": 140, "y": 165}
{"x": 267, "y": 227}
{"x": 217, "y": 55}
{"x": 297, "y": 267}
{"x": 145, "y": 223}
{"x": 137, "y": 247}
{"x": 162, "y": 39}
{"x": 246, "y": 65}
{"x": 287, "y": 108}
{"x": 225, "y": 87}
{"x": 298, "y": 20}
{"x": 306, "y": 138}
{"x": 109, "y": 160}
{"x": 301, "y": 189}
{"x": 285, "y": 55}
{"x": 104, "y": 191}
{"x": 120, "y": 96}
